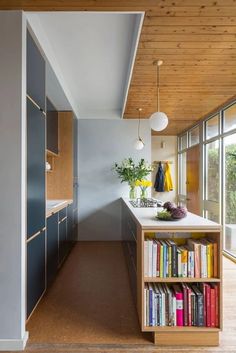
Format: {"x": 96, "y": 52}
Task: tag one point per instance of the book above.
{"x": 158, "y": 259}
{"x": 185, "y": 303}
{"x": 146, "y": 257}
{"x": 184, "y": 261}
{"x": 195, "y": 246}
{"x": 213, "y": 306}
{"x": 154, "y": 258}
{"x": 199, "y": 306}
{"x": 150, "y": 258}
{"x": 208, "y": 305}
{"x": 179, "y": 304}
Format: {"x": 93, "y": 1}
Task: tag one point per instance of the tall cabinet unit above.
{"x": 36, "y": 235}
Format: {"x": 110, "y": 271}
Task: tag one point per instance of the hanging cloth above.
{"x": 168, "y": 185}
{"x": 159, "y": 182}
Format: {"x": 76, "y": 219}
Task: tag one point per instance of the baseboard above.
{"x": 13, "y": 344}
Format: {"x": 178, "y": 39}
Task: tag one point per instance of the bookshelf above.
{"x": 140, "y": 224}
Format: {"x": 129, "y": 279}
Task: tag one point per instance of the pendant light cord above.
{"x": 158, "y": 87}
{"x": 139, "y": 124}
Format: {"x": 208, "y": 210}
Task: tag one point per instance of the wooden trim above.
{"x": 35, "y": 235}
{"x": 228, "y": 256}
{"x": 186, "y": 338}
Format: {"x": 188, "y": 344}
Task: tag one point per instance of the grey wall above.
{"x": 101, "y": 144}
{"x": 12, "y": 179}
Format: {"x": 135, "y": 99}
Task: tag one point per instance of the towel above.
{"x": 168, "y": 185}
{"x": 159, "y": 182}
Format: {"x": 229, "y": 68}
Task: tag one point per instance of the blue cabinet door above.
{"x": 52, "y": 247}
{"x": 63, "y": 246}
{"x": 35, "y": 270}
{"x": 52, "y": 128}
{"x": 70, "y": 225}
{"x": 35, "y": 73}
{"x": 35, "y": 169}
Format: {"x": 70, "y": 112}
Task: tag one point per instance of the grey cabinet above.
{"x": 35, "y": 73}
{"x": 52, "y": 128}
{"x": 52, "y": 247}
{"x": 35, "y": 169}
{"x": 35, "y": 270}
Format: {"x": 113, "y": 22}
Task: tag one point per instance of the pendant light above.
{"x": 158, "y": 120}
{"x": 139, "y": 144}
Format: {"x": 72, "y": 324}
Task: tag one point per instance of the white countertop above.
{"x": 53, "y": 206}
{"x": 146, "y": 218}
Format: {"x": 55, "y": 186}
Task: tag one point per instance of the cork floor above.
{"x": 89, "y": 308}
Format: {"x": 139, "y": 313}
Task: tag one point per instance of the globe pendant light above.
{"x": 158, "y": 120}
{"x": 139, "y": 144}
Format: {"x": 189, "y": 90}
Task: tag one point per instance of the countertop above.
{"x": 146, "y": 218}
{"x": 53, "y": 206}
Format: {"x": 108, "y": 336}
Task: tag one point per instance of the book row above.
{"x": 164, "y": 258}
{"x": 181, "y": 304}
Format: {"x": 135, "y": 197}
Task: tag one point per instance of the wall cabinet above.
{"x": 52, "y": 247}
{"x": 35, "y": 169}
{"x": 52, "y": 128}
{"x": 35, "y": 270}
{"x": 35, "y": 73}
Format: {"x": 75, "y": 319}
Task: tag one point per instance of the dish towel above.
{"x": 159, "y": 182}
{"x": 168, "y": 185}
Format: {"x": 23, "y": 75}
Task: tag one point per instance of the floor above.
{"x": 84, "y": 310}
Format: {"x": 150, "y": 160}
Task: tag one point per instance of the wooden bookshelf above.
{"x": 133, "y": 224}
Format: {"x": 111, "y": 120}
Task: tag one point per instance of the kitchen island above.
{"x": 140, "y": 224}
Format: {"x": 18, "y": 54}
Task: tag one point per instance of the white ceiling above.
{"x": 92, "y": 55}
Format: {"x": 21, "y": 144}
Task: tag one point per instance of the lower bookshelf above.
{"x": 174, "y": 334}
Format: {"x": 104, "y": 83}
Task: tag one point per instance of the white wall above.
{"x": 167, "y": 153}
{"x": 12, "y": 179}
{"x": 101, "y": 144}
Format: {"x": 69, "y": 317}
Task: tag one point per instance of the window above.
{"x": 212, "y": 171}
{"x": 212, "y": 127}
{"x": 229, "y": 118}
{"x": 194, "y": 136}
{"x": 230, "y": 193}
{"x": 184, "y": 142}
{"x": 182, "y": 174}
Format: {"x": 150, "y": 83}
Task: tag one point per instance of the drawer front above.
{"x": 35, "y": 270}
{"x": 62, "y": 213}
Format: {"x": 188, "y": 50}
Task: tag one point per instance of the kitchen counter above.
{"x": 147, "y": 220}
{"x": 53, "y": 206}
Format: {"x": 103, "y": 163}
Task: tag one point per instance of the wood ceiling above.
{"x": 196, "y": 39}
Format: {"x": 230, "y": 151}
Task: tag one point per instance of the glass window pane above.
{"x": 182, "y": 173}
{"x": 212, "y": 171}
{"x": 212, "y": 127}
{"x": 212, "y": 216}
{"x": 194, "y": 136}
{"x": 230, "y": 118}
{"x": 230, "y": 193}
{"x": 184, "y": 141}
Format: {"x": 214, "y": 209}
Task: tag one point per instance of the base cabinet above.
{"x": 52, "y": 247}
{"x": 63, "y": 246}
{"x": 35, "y": 270}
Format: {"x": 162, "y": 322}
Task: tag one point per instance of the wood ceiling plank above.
{"x": 196, "y": 40}
{"x": 206, "y": 29}
{"x": 189, "y": 21}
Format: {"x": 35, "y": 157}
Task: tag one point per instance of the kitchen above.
{"x": 72, "y": 216}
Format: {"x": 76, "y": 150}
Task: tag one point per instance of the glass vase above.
{"x": 132, "y": 193}
{"x": 143, "y": 194}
